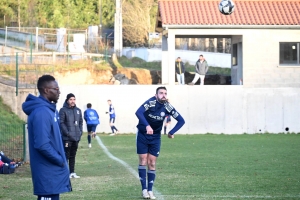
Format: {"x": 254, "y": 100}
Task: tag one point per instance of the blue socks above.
{"x": 89, "y": 138}
{"x": 142, "y": 175}
{"x": 151, "y": 178}
{"x": 113, "y": 128}
{"x": 143, "y": 179}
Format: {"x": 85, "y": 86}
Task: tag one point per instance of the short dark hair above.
{"x": 43, "y": 81}
{"x": 89, "y": 105}
{"x": 161, "y": 87}
{"x": 201, "y": 55}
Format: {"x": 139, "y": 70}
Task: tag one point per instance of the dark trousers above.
{"x": 70, "y": 150}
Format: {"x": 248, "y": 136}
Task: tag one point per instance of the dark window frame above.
{"x": 289, "y": 53}
{"x": 234, "y": 55}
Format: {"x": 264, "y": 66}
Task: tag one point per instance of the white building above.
{"x": 265, "y": 38}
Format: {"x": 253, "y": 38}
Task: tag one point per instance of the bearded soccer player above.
{"x": 151, "y": 115}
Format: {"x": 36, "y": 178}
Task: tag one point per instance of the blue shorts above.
{"x": 148, "y": 144}
{"x": 112, "y": 120}
{"x": 91, "y": 127}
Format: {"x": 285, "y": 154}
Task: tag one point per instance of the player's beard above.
{"x": 162, "y": 100}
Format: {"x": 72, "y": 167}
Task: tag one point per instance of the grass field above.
{"x": 261, "y": 166}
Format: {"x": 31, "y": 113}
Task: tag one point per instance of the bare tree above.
{"x": 137, "y": 21}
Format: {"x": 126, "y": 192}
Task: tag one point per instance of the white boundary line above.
{"x": 128, "y": 167}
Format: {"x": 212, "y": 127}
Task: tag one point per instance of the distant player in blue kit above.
{"x": 167, "y": 123}
{"x": 151, "y": 117}
{"x": 112, "y": 118}
{"x": 91, "y": 118}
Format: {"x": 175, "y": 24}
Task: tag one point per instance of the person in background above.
{"x": 112, "y": 118}
{"x": 201, "y": 70}
{"x": 180, "y": 70}
{"x": 49, "y": 167}
{"x": 71, "y": 127}
{"x": 91, "y": 118}
{"x": 167, "y": 122}
{"x": 151, "y": 116}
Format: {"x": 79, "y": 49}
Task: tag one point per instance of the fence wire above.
{"x": 12, "y": 141}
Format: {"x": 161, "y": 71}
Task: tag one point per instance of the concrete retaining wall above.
{"x": 206, "y": 109}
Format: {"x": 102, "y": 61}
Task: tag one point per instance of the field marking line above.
{"x": 128, "y": 167}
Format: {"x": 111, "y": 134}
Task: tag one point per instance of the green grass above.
{"x": 189, "y": 167}
{"x": 136, "y": 62}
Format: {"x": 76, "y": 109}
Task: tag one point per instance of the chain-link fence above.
{"x": 12, "y": 141}
{"x": 46, "y": 45}
{"x": 24, "y": 75}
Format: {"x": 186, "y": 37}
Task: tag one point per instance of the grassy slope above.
{"x": 7, "y": 117}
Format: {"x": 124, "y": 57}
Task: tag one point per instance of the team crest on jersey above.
{"x": 146, "y": 106}
{"x": 91, "y": 113}
{"x": 78, "y": 112}
{"x": 162, "y": 114}
{"x": 152, "y": 103}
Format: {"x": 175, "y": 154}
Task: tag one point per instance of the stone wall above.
{"x": 8, "y": 94}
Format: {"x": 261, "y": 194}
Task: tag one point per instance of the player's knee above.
{"x": 151, "y": 164}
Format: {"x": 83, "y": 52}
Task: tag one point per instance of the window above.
{"x": 234, "y": 54}
{"x": 289, "y": 53}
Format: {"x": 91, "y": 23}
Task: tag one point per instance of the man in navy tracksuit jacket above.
{"x": 49, "y": 167}
{"x": 151, "y": 115}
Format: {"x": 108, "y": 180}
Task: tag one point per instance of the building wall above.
{"x": 261, "y": 59}
{"x": 208, "y": 109}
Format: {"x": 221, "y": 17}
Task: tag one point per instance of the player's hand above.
{"x": 149, "y": 129}
{"x": 170, "y": 136}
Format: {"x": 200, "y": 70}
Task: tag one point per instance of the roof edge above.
{"x": 166, "y": 27}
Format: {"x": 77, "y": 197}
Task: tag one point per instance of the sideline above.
{"x": 128, "y": 167}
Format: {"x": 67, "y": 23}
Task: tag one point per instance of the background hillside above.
{"x": 138, "y": 16}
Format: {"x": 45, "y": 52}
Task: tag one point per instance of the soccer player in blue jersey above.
{"x": 151, "y": 115}
{"x": 91, "y": 118}
{"x": 112, "y": 117}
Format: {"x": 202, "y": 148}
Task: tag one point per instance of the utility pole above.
{"x": 19, "y": 18}
{"x": 100, "y": 15}
{"x": 118, "y": 39}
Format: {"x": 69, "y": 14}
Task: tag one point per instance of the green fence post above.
{"x": 105, "y": 47}
{"x": 68, "y": 46}
{"x": 17, "y": 74}
{"x": 31, "y": 48}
